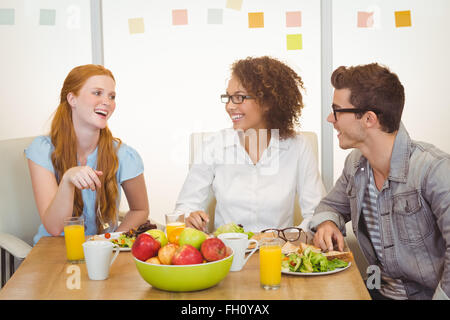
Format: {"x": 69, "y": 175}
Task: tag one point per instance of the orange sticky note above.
{"x": 294, "y": 19}
{"x": 403, "y": 18}
{"x": 365, "y": 19}
{"x": 256, "y": 19}
{"x": 294, "y": 42}
{"x": 136, "y": 25}
{"x": 179, "y": 17}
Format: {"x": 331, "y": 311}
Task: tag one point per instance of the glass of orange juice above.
{"x": 174, "y": 221}
{"x": 270, "y": 263}
{"x": 74, "y": 237}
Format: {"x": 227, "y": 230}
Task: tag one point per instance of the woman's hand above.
{"x": 198, "y": 220}
{"x": 83, "y": 177}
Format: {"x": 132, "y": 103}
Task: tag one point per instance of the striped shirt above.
{"x": 391, "y": 288}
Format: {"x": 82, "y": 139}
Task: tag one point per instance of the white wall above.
{"x": 35, "y": 59}
{"x": 169, "y": 78}
{"x": 419, "y": 55}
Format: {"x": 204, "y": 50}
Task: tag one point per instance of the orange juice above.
{"x": 174, "y": 225}
{"x": 270, "y": 266}
{"x": 74, "y": 236}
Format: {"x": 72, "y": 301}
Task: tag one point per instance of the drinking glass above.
{"x": 270, "y": 263}
{"x": 74, "y": 237}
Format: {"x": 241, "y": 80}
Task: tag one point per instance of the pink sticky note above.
{"x": 294, "y": 19}
{"x": 179, "y": 17}
{"x": 365, "y": 19}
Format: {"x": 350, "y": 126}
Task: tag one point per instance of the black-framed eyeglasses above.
{"x": 235, "y": 98}
{"x": 353, "y": 110}
{"x": 287, "y": 234}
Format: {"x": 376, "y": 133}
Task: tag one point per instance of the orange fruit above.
{"x": 174, "y": 236}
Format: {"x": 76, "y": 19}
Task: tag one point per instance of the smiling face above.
{"x": 95, "y": 102}
{"x": 351, "y": 133}
{"x": 246, "y": 115}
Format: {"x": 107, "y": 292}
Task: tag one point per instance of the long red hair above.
{"x": 64, "y": 140}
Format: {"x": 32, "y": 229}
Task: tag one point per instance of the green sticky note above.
{"x": 294, "y": 42}
{"x": 47, "y": 17}
{"x": 6, "y": 16}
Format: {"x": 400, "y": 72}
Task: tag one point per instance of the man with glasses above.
{"x": 396, "y": 191}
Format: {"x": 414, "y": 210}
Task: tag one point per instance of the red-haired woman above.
{"x": 79, "y": 168}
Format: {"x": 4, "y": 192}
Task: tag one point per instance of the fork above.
{"x": 105, "y": 225}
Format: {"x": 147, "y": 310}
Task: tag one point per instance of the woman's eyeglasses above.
{"x": 287, "y": 234}
{"x": 235, "y": 98}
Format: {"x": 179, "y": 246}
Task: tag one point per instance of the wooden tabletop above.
{"x": 45, "y": 274}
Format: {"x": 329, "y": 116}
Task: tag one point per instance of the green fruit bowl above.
{"x": 191, "y": 277}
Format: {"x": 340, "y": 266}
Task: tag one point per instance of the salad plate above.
{"x": 316, "y": 273}
{"x": 113, "y": 236}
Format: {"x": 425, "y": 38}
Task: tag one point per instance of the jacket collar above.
{"x": 401, "y": 153}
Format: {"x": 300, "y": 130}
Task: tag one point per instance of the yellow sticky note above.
{"x": 234, "y": 4}
{"x": 403, "y": 18}
{"x": 294, "y": 42}
{"x": 256, "y": 19}
{"x": 136, "y": 25}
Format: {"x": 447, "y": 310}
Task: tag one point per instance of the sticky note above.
{"x": 365, "y": 19}
{"x": 294, "y": 42}
{"x": 256, "y": 19}
{"x": 403, "y": 18}
{"x": 234, "y": 4}
{"x": 136, "y": 25}
{"x": 6, "y": 16}
{"x": 47, "y": 17}
{"x": 179, "y": 17}
{"x": 215, "y": 16}
{"x": 294, "y": 19}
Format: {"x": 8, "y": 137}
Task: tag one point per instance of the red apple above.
{"x": 213, "y": 249}
{"x": 145, "y": 247}
{"x": 187, "y": 254}
{"x": 166, "y": 253}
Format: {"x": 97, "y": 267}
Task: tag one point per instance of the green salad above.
{"x": 309, "y": 262}
{"x": 124, "y": 241}
{"x": 233, "y": 228}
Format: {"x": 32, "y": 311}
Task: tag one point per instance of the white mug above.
{"x": 239, "y": 242}
{"x": 97, "y": 255}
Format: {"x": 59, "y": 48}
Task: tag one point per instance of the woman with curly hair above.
{"x": 255, "y": 169}
{"x": 78, "y": 169}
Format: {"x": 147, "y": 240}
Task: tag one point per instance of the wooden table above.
{"x": 44, "y": 275}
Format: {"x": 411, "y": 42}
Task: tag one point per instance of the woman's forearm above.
{"x": 133, "y": 219}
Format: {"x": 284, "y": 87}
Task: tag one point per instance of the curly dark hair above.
{"x": 373, "y": 86}
{"x": 276, "y": 88}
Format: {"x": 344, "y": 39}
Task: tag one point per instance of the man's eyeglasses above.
{"x": 353, "y": 110}
{"x": 287, "y": 234}
{"x": 235, "y": 98}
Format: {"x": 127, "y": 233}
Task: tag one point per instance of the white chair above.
{"x": 19, "y": 218}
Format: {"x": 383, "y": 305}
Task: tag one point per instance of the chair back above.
{"x": 196, "y": 141}
{"x": 18, "y": 213}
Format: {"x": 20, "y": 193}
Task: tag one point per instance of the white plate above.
{"x": 316, "y": 273}
{"x": 114, "y": 235}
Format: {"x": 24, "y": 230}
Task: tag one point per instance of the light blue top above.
{"x": 130, "y": 166}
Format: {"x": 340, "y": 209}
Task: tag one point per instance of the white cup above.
{"x": 239, "y": 242}
{"x": 97, "y": 255}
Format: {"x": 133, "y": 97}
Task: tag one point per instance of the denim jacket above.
{"x": 414, "y": 208}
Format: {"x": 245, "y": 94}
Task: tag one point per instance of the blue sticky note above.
{"x": 215, "y": 16}
{"x": 6, "y": 16}
{"x": 47, "y": 17}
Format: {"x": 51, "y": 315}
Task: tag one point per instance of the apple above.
{"x": 158, "y": 235}
{"x": 187, "y": 254}
{"x": 213, "y": 249}
{"x": 153, "y": 260}
{"x": 193, "y": 237}
{"x": 145, "y": 247}
{"x": 166, "y": 253}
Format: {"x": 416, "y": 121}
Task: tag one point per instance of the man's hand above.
{"x": 328, "y": 234}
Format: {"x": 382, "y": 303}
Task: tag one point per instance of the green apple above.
{"x": 193, "y": 237}
{"x": 158, "y": 235}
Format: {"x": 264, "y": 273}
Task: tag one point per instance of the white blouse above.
{"x": 257, "y": 196}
